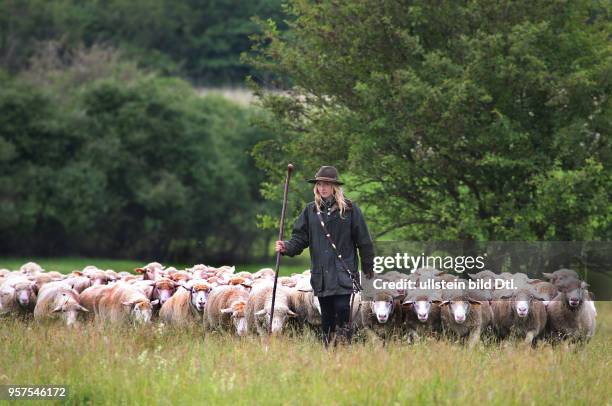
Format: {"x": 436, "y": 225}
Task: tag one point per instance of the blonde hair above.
{"x": 338, "y": 194}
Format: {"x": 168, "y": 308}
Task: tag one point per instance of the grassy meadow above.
{"x": 160, "y": 365}
{"x": 156, "y": 364}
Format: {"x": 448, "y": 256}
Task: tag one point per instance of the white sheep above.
{"x": 464, "y": 317}
{"x": 259, "y": 306}
{"x": 58, "y": 300}
{"x": 119, "y": 302}
{"x": 521, "y": 313}
{"x": 570, "y": 316}
{"x": 422, "y": 313}
{"x": 17, "y": 295}
{"x": 304, "y": 303}
{"x": 187, "y": 304}
{"x": 225, "y": 309}
{"x": 382, "y": 315}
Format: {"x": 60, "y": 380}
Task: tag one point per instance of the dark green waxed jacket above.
{"x": 349, "y": 234}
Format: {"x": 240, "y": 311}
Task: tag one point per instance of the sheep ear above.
{"x": 260, "y": 312}
{"x": 155, "y": 302}
{"x": 407, "y": 302}
{"x": 127, "y": 303}
{"x": 291, "y": 313}
{"x": 81, "y": 308}
{"x": 584, "y": 285}
{"x": 57, "y": 309}
{"x": 139, "y": 270}
{"x": 227, "y": 310}
{"x": 547, "y": 275}
{"x": 445, "y": 302}
{"x": 472, "y": 276}
{"x": 474, "y": 301}
{"x": 437, "y": 301}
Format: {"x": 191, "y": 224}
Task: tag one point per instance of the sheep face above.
{"x": 141, "y": 311}
{"x": 280, "y": 318}
{"x": 575, "y": 297}
{"x": 163, "y": 290}
{"x": 421, "y": 308}
{"x": 382, "y": 309}
{"x": 164, "y": 295}
{"x": 25, "y": 294}
{"x": 240, "y": 325}
{"x": 237, "y": 315}
{"x": 70, "y": 316}
{"x": 69, "y": 310}
{"x": 199, "y": 297}
{"x": 150, "y": 271}
{"x": 521, "y": 303}
{"x": 460, "y": 309}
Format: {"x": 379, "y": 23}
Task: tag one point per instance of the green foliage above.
{"x": 201, "y": 39}
{"x": 106, "y": 160}
{"x": 479, "y": 120}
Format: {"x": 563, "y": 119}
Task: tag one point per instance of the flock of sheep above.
{"x": 223, "y": 299}
{"x": 560, "y": 308}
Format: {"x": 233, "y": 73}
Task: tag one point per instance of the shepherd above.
{"x": 334, "y": 228}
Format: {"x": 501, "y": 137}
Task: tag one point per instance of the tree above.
{"x": 198, "y": 39}
{"x": 103, "y": 159}
{"x": 480, "y": 120}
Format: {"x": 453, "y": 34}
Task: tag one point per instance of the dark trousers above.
{"x": 335, "y": 312}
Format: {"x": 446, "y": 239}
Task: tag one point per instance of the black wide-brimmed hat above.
{"x": 326, "y": 174}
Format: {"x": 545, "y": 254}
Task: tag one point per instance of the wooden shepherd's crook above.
{"x": 280, "y": 238}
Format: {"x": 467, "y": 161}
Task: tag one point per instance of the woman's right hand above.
{"x": 280, "y": 246}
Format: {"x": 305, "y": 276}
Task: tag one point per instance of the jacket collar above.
{"x": 349, "y": 206}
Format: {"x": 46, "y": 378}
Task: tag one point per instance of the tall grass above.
{"x": 160, "y": 365}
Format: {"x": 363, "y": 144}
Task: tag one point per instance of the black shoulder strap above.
{"x": 356, "y": 285}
